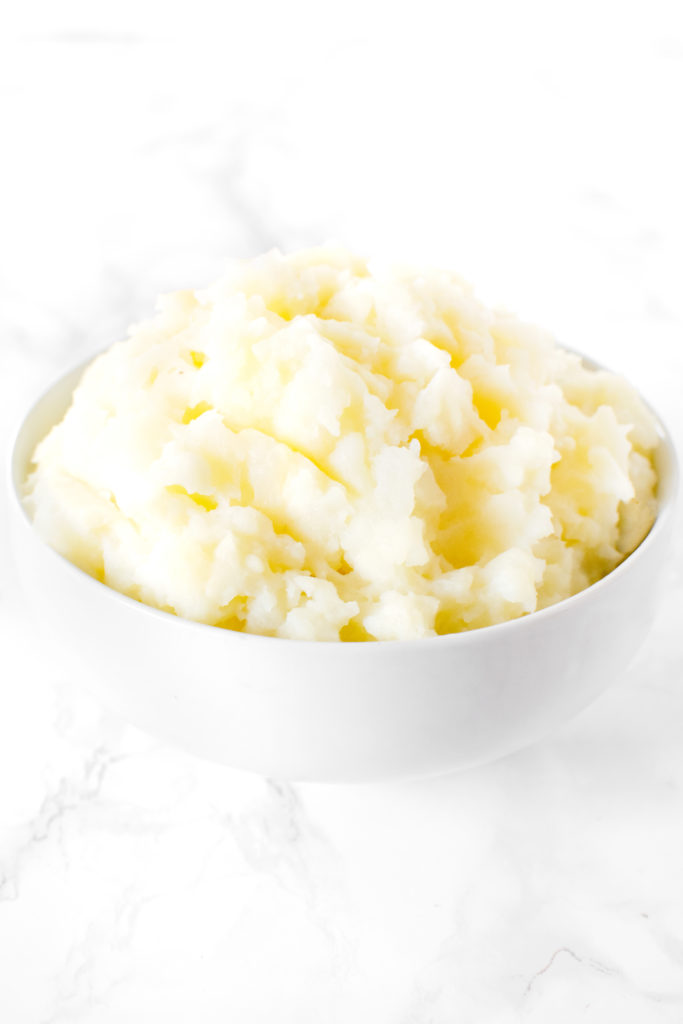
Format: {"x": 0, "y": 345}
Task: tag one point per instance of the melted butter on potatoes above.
{"x": 310, "y": 450}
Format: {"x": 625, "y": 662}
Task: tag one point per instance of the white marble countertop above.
{"x": 539, "y": 155}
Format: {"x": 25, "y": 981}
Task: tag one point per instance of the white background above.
{"x": 534, "y": 147}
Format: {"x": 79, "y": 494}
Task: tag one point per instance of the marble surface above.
{"x": 536, "y": 149}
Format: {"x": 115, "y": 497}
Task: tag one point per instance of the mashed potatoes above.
{"x": 310, "y": 450}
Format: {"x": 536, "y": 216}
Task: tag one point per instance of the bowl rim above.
{"x": 667, "y": 490}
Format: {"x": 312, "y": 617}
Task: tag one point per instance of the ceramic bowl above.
{"x": 309, "y": 710}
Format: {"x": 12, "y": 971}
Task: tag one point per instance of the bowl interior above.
{"x": 47, "y": 411}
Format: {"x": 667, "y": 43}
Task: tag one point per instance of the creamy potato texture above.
{"x": 311, "y": 450}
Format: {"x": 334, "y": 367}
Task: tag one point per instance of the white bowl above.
{"x": 309, "y": 710}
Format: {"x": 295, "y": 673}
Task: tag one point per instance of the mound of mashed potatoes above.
{"x": 313, "y": 450}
